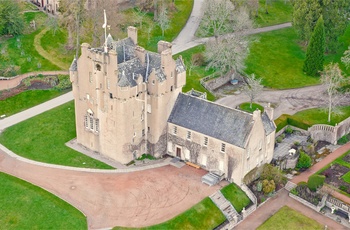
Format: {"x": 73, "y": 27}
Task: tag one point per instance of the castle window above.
{"x": 153, "y": 82}
{"x": 91, "y": 123}
{"x": 100, "y": 85}
{"x": 171, "y": 74}
{"x": 141, "y": 117}
{"x": 143, "y": 132}
{"x": 171, "y": 88}
{"x": 223, "y": 147}
{"x": 110, "y": 95}
{"x": 97, "y": 125}
{"x": 205, "y": 143}
{"x": 108, "y": 84}
{"x": 248, "y": 153}
{"x": 90, "y": 77}
{"x": 148, "y": 129}
{"x": 268, "y": 139}
{"x": 98, "y": 67}
{"x": 189, "y": 134}
{"x": 86, "y": 123}
{"x": 175, "y": 130}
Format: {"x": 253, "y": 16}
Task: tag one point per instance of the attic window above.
{"x": 175, "y": 130}
{"x": 223, "y": 147}
{"x": 189, "y": 134}
{"x": 98, "y": 67}
{"x": 205, "y": 143}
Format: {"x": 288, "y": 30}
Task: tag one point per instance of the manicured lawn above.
{"x": 280, "y": 11}
{"x": 54, "y": 44}
{"x": 26, "y": 100}
{"x": 320, "y": 115}
{"x": 346, "y": 177}
{"x": 246, "y": 107}
{"x": 278, "y": 59}
{"x": 26, "y": 206}
{"x": 236, "y": 196}
{"x": 43, "y": 137}
{"x": 287, "y": 218}
{"x": 204, "y": 215}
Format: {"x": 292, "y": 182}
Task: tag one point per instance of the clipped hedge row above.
{"x": 286, "y": 119}
{"x": 315, "y": 181}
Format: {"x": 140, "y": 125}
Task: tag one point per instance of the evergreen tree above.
{"x": 315, "y": 51}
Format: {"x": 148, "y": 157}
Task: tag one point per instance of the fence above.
{"x": 12, "y": 82}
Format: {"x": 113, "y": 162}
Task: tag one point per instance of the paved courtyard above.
{"x": 133, "y": 199}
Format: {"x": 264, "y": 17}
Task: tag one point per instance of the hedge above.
{"x": 315, "y": 181}
{"x": 286, "y": 119}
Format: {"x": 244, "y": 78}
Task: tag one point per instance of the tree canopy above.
{"x": 335, "y": 15}
{"x": 11, "y": 19}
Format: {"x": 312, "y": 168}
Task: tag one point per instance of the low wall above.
{"x": 330, "y": 133}
{"x": 9, "y": 83}
{"x": 308, "y": 204}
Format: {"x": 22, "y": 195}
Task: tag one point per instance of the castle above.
{"x": 128, "y": 102}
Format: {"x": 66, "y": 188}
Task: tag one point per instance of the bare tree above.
{"x": 346, "y": 58}
{"x": 217, "y": 18}
{"x": 332, "y": 79}
{"x": 139, "y": 16}
{"x": 227, "y": 55}
{"x": 252, "y": 87}
{"x": 163, "y": 19}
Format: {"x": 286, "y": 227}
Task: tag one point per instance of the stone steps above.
{"x": 289, "y": 186}
{"x": 225, "y": 206}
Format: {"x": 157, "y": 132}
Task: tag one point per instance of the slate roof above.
{"x": 269, "y": 126}
{"x": 226, "y": 124}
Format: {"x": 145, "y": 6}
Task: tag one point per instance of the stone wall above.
{"x": 330, "y": 133}
{"x": 12, "y": 82}
{"x": 215, "y": 83}
{"x": 308, "y": 204}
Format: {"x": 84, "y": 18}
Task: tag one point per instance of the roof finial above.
{"x": 104, "y": 26}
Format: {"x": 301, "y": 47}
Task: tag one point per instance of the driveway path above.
{"x": 135, "y": 199}
{"x": 287, "y": 101}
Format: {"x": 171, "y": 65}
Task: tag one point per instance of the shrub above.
{"x": 289, "y": 130}
{"x": 343, "y": 188}
{"x": 268, "y": 186}
{"x": 279, "y": 139}
{"x": 304, "y": 161}
{"x": 343, "y": 140}
{"x": 198, "y": 59}
{"x": 328, "y": 173}
{"x": 63, "y": 82}
{"x": 315, "y": 181}
{"x": 281, "y": 122}
{"x": 259, "y": 186}
{"x": 270, "y": 172}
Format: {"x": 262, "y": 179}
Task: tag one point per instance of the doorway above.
{"x": 178, "y": 152}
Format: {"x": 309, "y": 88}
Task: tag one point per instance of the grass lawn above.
{"x": 24, "y": 206}
{"x": 43, "y": 137}
{"x": 346, "y": 177}
{"x": 320, "y": 115}
{"x": 278, "y": 59}
{"x": 236, "y": 196}
{"x": 26, "y": 100}
{"x": 246, "y": 107}
{"x": 204, "y": 215}
{"x": 280, "y": 11}
{"x": 19, "y": 51}
{"x": 287, "y": 218}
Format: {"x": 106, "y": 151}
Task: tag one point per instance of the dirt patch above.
{"x": 334, "y": 177}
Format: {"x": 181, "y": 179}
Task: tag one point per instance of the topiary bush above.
{"x": 304, "y": 161}
{"x": 315, "y": 181}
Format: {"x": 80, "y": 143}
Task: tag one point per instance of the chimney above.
{"x": 132, "y": 33}
{"x": 163, "y": 45}
{"x": 256, "y": 114}
{"x": 269, "y": 111}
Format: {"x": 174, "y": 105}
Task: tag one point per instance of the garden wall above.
{"x": 330, "y": 133}
{"x": 308, "y": 204}
{"x": 12, "y": 82}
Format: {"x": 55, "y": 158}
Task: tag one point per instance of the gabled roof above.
{"x": 269, "y": 126}
{"x": 223, "y": 123}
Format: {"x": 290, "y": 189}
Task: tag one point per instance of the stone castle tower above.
{"x": 124, "y": 95}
